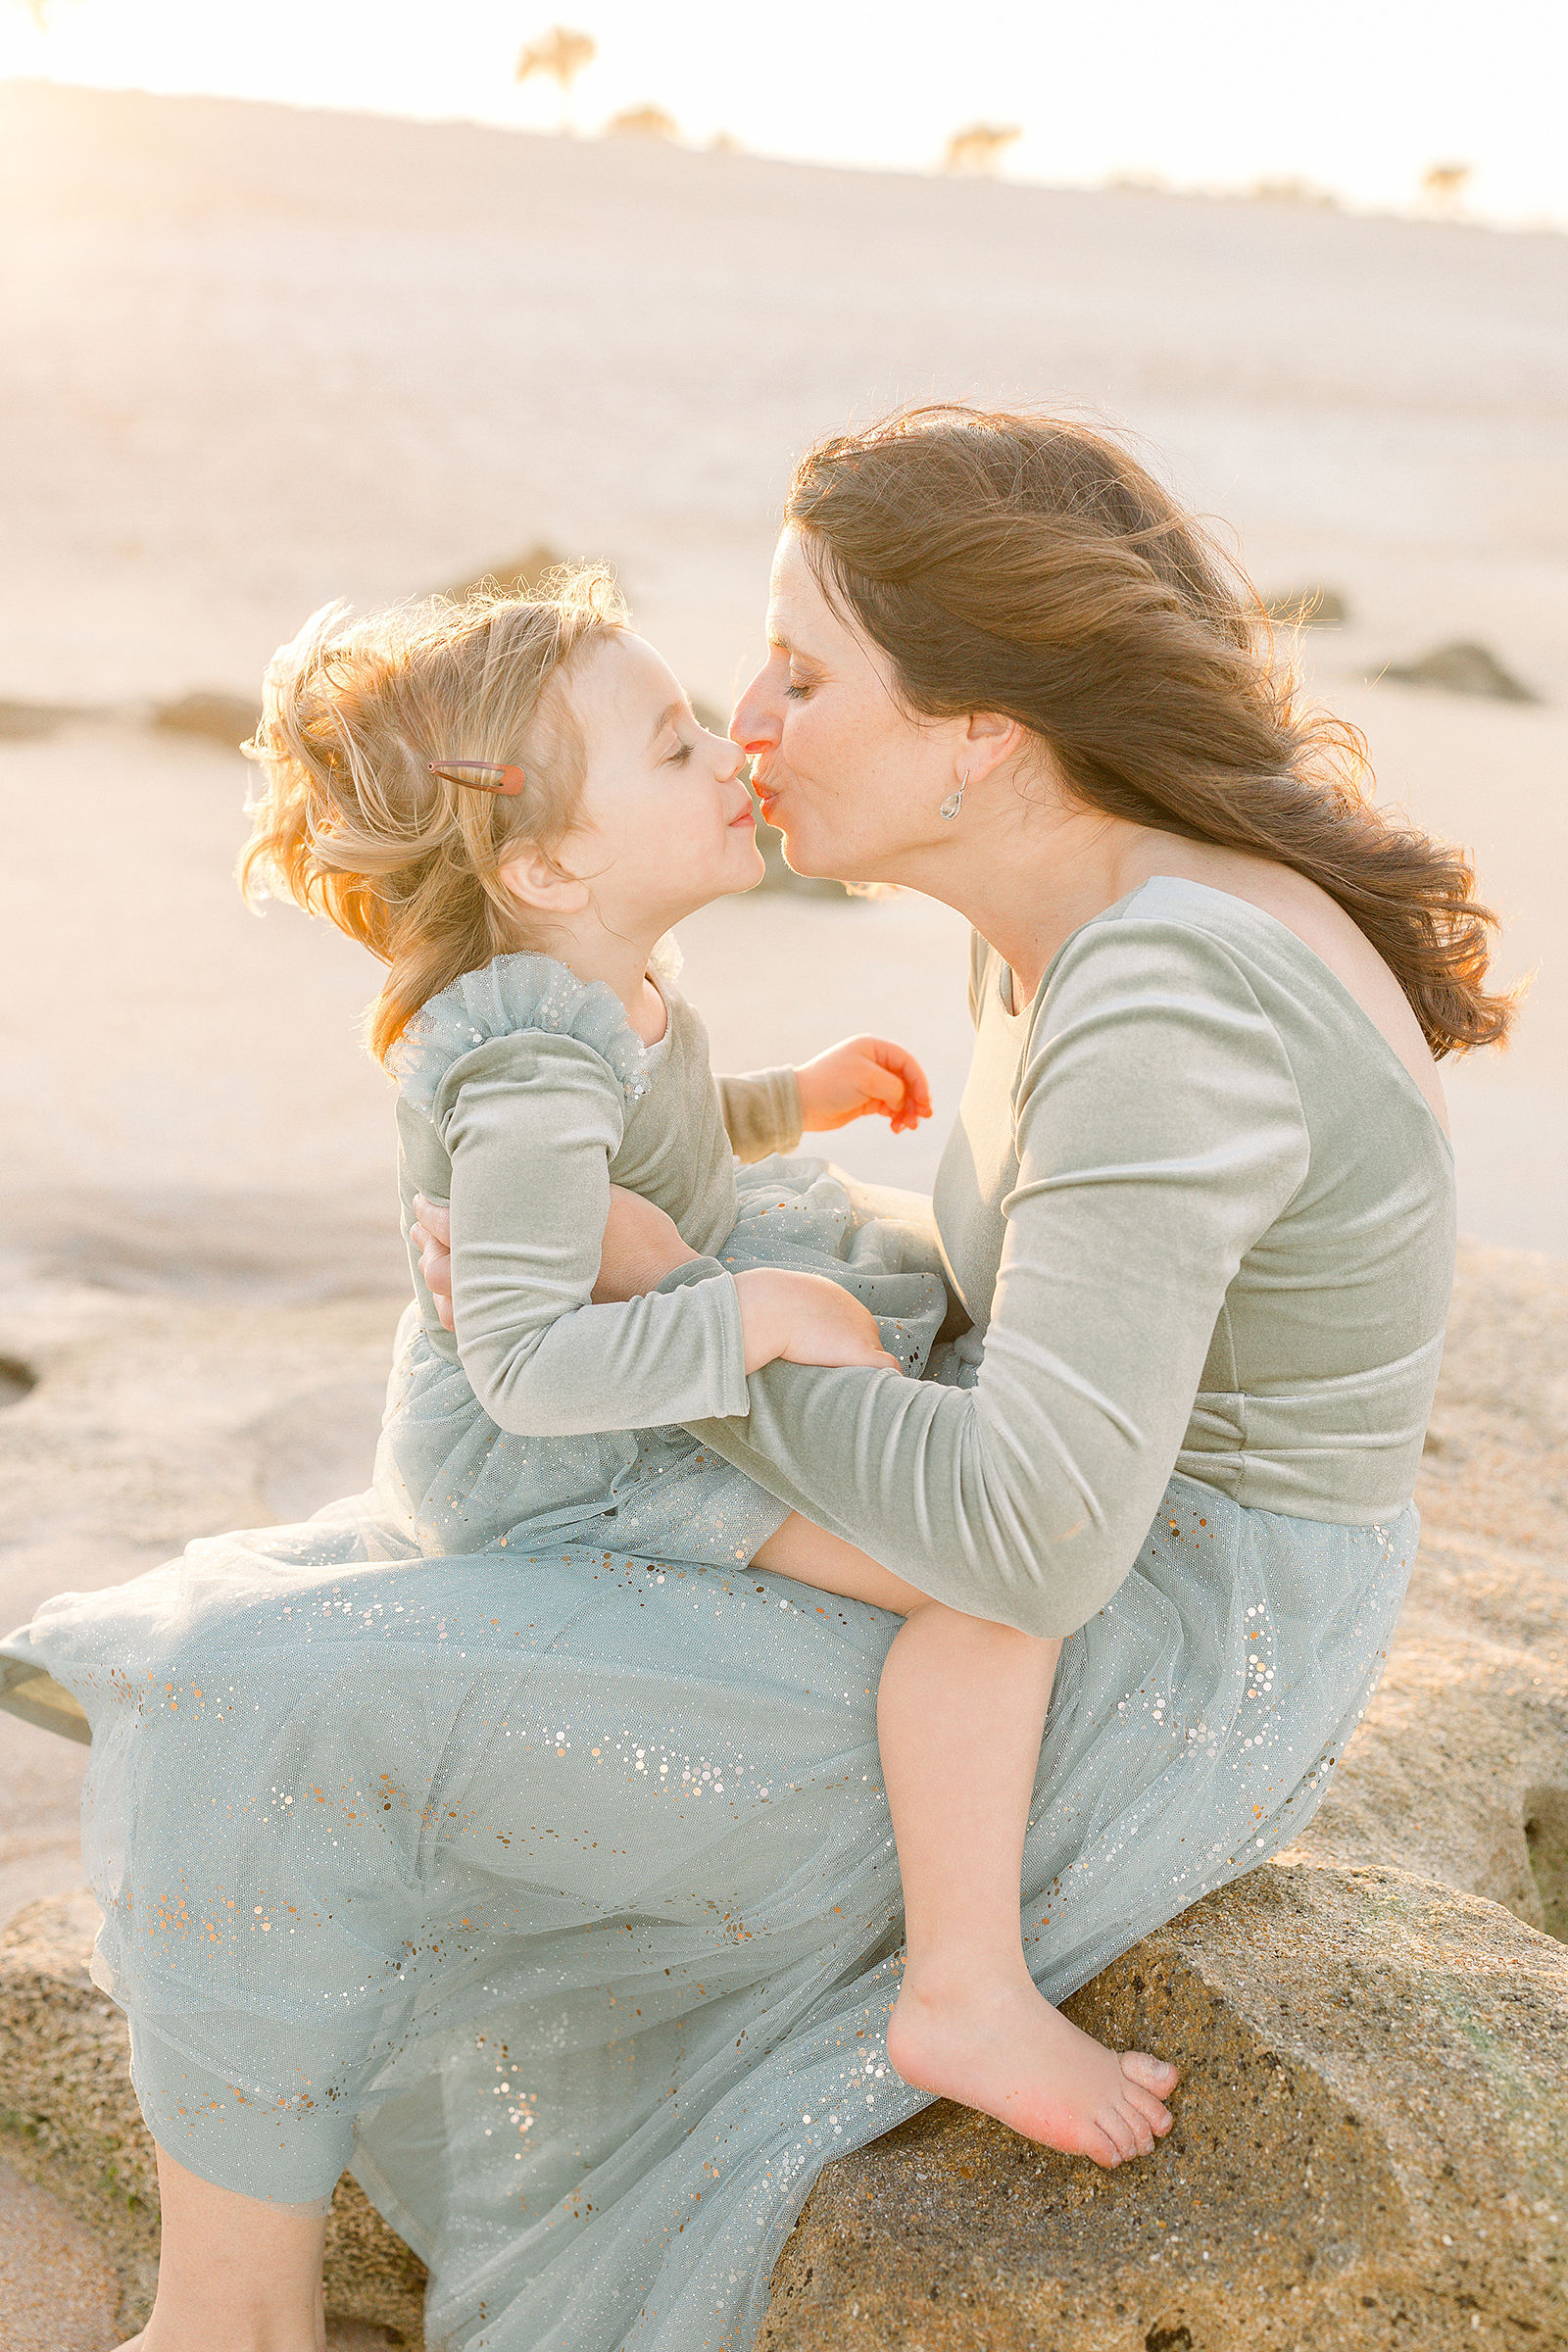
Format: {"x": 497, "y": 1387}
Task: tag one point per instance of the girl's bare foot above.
{"x": 999, "y": 2045}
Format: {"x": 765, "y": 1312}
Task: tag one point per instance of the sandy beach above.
{"x": 258, "y": 357}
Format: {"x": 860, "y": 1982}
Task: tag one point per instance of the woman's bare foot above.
{"x": 999, "y": 2046}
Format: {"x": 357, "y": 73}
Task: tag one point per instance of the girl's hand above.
{"x": 861, "y": 1076}
{"x": 808, "y": 1320}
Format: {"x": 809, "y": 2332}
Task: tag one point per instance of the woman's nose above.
{"x": 757, "y": 722}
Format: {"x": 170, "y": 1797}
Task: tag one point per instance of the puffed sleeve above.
{"x": 531, "y": 1121}
{"x": 1159, "y": 1136}
{"x": 762, "y": 1112}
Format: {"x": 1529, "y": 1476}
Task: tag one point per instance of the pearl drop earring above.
{"x": 955, "y": 799}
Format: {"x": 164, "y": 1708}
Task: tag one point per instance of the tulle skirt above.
{"x": 556, "y": 1898}
{"x": 549, "y": 1887}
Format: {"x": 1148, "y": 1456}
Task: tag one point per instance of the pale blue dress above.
{"x": 550, "y": 1885}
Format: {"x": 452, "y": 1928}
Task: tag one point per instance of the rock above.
{"x": 57, "y": 2288}
{"x": 31, "y": 723}
{"x": 518, "y": 578}
{"x": 230, "y": 718}
{"x": 1462, "y": 668}
{"x": 641, "y": 123}
{"x": 1307, "y": 607}
{"x": 1370, "y": 2149}
{"x": 71, "y": 2125}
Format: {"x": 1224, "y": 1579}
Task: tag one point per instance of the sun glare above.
{"x": 1344, "y": 103}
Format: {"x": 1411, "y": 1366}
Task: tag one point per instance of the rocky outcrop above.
{"x": 1371, "y": 2146}
{"x": 1308, "y": 607}
{"x": 1462, "y": 668}
{"x": 223, "y": 717}
{"x": 1370, "y": 2151}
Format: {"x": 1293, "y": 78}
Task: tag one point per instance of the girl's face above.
{"x": 665, "y": 822}
{"x": 851, "y": 781}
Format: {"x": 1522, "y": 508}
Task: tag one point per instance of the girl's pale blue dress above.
{"x": 543, "y": 1875}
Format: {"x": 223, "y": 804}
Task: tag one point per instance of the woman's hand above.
{"x": 864, "y": 1075}
{"x": 808, "y": 1320}
{"x": 641, "y": 1247}
{"x": 433, "y": 1230}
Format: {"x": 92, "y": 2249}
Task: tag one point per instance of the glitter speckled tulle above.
{"x": 555, "y": 1894}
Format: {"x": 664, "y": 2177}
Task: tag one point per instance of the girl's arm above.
{"x": 767, "y": 1110}
{"x": 530, "y": 1123}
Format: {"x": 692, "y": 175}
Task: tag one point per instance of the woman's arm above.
{"x": 1159, "y": 1135}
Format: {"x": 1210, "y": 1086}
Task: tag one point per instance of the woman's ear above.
{"x": 535, "y": 880}
{"x": 990, "y": 739}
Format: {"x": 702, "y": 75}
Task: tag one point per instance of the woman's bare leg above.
{"x": 961, "y": 1712}
{"x": 234, "y": 2274}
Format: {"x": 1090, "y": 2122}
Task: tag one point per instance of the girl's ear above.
{"x": 535, "y": 880}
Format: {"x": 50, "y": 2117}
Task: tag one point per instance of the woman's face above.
{"x": 853, "y": 782}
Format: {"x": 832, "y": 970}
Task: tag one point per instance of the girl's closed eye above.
{"x": 799, "y": 688}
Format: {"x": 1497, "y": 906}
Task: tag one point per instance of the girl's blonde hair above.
{"x": 351, "y": 824}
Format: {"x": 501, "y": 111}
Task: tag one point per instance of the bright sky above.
{"x": 1358, "y": 96}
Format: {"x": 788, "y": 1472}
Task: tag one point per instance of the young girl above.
{"x": 511, "y": 804}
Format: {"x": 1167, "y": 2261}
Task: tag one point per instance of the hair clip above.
{"x": 484, "y": 775}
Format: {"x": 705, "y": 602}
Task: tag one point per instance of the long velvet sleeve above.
{"x": 1159, "y": 1135}
{"x": 531, "y": 1121}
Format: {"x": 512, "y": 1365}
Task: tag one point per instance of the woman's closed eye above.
{"x": 799, "y": 688}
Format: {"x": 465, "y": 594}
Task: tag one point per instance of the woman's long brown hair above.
{"x": 1028, "y": 566}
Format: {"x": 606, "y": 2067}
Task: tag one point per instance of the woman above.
{"x": 1197, "y": 1217}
